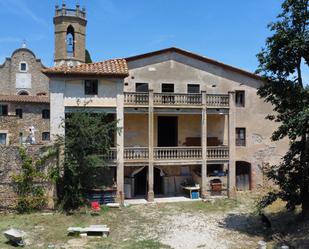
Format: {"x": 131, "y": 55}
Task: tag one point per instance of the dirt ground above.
{"x": 222, "y": 224}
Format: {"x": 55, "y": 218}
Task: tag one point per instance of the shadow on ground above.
{"x": 287, "y": 228}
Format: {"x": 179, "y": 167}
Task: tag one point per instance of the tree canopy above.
{"x": 281, "y": 63}
{"x": 87, "y": 142}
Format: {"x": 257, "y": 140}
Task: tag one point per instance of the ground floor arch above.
{"x": 243, "y": 175}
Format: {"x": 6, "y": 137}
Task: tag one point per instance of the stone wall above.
{"x": 10, "y": 164}
{"x": 10, "y": 69}
{"x": 32, "y": 116}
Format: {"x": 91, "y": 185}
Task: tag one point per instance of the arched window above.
{"x": 23, "y": 92}
{"x": 70, "y": 39}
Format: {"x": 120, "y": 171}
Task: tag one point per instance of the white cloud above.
{"x": 20, "y": 8}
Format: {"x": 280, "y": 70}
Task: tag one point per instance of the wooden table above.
{"x": 190, "y": 189}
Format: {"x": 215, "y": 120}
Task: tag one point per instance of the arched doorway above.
{"x": 243, "y": 175}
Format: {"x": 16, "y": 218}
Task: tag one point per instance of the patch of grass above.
{"x": 219, "y": 205}
{"x": 146, "y": 244}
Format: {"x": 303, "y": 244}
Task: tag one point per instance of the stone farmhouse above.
{"x": 184, "y": 117}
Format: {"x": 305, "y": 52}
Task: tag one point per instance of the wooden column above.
{"x": 150, "y": 196}
{"x": 232, "y": 147}
{"x": 204, "y": 146}
{"x": 120, "y": 148}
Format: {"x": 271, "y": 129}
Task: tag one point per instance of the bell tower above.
{"x": 70, "y": 35}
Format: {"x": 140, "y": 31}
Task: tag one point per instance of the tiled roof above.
{"x": 24, "y": 98}
{"x": 115, "y": 67}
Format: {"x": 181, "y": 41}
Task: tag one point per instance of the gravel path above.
{"x": 211, "y": 231}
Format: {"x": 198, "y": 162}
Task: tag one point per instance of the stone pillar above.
{"x": 120, "y": 148}
{"x": 232, "y": 147}
{"x": 204, "y": 146}
{"x": 150, "y": 196}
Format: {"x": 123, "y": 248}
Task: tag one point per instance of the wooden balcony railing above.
{"x": 217, "y": 100}
{"x": 181, "y": 153}
{"x": 217, "y": 152}
{"x": 171, "y": 153}
{"x": 177, "y": 99}
{"x": 136, "y": 153}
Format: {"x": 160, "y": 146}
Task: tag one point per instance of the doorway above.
{"x": 167, "y": 131}
{"x": 140, "y": 182}
{"x": 243, "y": 176}
{"x": 157, "y": 181}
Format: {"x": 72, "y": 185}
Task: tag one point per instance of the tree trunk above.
{"x": 305, "y": 202}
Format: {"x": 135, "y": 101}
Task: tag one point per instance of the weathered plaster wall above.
{"x": 182, "y": 70}
{"x": 189, "y": 125}
{"x": 107, "y": 92}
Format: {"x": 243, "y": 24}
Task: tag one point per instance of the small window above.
{"x": 21, "y": 137}
{"x": 91, "y": 87}
{"x": 45, "y": 136}
{"x": 23, "y": 67}
{"x": 240, "y": 98}
{"x": 19, "y": 112}
{"x": 45, "y": 114}
{"x": 240, "y": 136}
{"x": 141, "y": 87}
{"x": 167, "y": 88}
{"x": 3, "y": 110}
{"x": 193, "y": 88}
{"x": 3, "y": 138}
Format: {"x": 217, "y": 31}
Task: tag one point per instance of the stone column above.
{"x": 204, "y": 146}
{"x": 232, "y": 147}
{"x": 120, "y": 148}
{"x": 150, "y": 196}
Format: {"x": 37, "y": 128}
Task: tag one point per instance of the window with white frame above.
{"x": 45, "y": 136}
{"x": 3, "y": 137}
{"x": 23, "y": 67}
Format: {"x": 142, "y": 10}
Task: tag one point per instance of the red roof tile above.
{"x": 24, "y": 98}
{"x": 115, "y": 67}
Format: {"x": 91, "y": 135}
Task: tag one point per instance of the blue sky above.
{"x": 230, "y": 31}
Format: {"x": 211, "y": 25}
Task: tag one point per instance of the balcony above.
{"x": 141, "y": 154}
{"x": 176, "y": 99}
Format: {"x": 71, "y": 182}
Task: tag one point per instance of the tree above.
{"x": 87, "y": 57}
{"x": 281, "y": 63}
{"x": 88, "y": 138}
